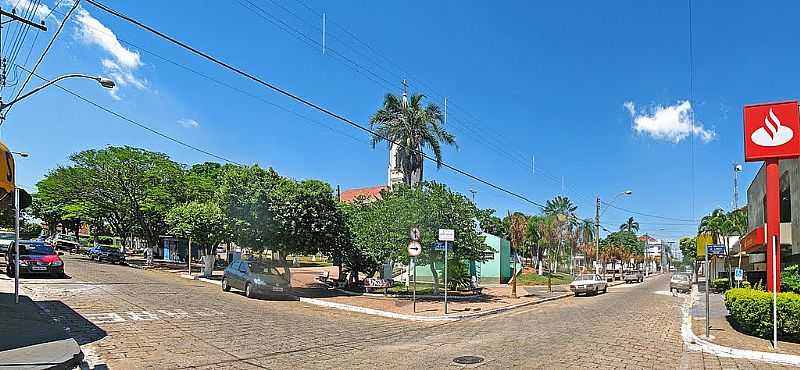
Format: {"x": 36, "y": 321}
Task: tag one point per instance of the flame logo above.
{"x": 773, "y": 133}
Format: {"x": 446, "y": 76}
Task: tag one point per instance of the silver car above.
{"x": 255, "y": 278}
{"x": 588, "y": 284}
{"x": 680, "y": 283}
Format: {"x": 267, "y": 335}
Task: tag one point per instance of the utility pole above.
{"x": 736, "y": 169}
{"x": 14, "y": 17}
{"x": 473, "y": 191}
{"x": 597, "y": 237}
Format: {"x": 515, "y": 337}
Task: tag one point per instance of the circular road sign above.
{"x": 414, "y": 248}
{"x": 413, "y": 234}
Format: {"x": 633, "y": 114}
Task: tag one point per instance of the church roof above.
{"x": 370, "y": 193}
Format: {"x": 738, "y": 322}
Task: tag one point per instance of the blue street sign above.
{"x": 716, "y": 249}
{"x": 738, "y": 274}
{"x": 439, "y": 246}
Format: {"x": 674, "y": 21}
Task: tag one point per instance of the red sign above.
{"x": 771, "y": 130}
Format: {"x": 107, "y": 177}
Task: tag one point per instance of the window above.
{"x": 242, "y": 267}
{"x": 786, "y": 198}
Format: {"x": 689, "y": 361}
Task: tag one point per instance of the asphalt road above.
{"x": 130, "y": 318}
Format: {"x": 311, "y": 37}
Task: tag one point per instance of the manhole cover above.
{"x": 468, "y": 360}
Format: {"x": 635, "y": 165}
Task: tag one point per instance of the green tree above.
{"x": 688, "y": 246}
{"x": 490, "y": 223}
{"x": 408, "y": 123}
{"x": 631, "y": 225}
{"x": 203, "y": 222}
{"x": 380, "y": 228}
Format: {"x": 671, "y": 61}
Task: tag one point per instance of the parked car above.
{"x": 6, "y": 239}
{"x": 35, "y": 257}
{"x": 106, "y": 253}
{"x": 66, "y": 242}
{"x": 588, "y": 283}
{"x": 255, "y": 279}
{"x": 633, "y": 276}
{"x": 681, "y": 283}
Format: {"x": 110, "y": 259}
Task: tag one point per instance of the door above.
{"x": 241, "y": 276}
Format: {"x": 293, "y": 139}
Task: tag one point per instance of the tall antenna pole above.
{"x": 445, "y": 110}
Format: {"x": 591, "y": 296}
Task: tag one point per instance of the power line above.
{"x": 39, "y": 61}
{"x": 646, "y": 214}
{"x": 298, "y": 98}
{"x": 131, "y": 121}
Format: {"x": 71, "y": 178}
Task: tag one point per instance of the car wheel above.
{"x": 225, "y": 286}
{"x": 248, "y": 291}
{"x": 596, "y": 290}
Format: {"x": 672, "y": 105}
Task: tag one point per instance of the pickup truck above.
{"x": 633, "y": 276}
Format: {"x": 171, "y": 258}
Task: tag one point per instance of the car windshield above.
{"x": 585, "y": 277}
{"x": 680, "y": 277}
{"x": 35, "y": 249}
{"x": 263, "y": 268}
{"x": 68, "y": 238}
{"x": 107, "y": 249}
{"x": 5, "y": 235}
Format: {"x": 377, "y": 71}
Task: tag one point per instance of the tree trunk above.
{"x": 435, "y": 278}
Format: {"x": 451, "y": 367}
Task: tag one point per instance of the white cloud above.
{"x": 40, "y": 11}
{"x": 121, "y": 63}
{"x": 188, "y": 123}
{"x": 91, "y": 31}
{"x": 672, "y": 122}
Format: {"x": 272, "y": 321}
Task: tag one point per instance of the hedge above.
{"x": 751, "y": 309}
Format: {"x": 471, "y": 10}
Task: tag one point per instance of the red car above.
{"x": 35, "y": 257}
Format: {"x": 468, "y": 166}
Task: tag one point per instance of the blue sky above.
{"x": 598, "y": 93}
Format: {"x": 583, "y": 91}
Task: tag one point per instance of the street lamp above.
{"x": 736, "y": 169}
{"x": 597, "y": 226}
{"x": 103, "y": 81}
{"x": 16, "y": 227}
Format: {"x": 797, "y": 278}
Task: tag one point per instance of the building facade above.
{"x": 753, "y": 244}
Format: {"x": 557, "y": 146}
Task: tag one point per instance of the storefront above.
{"x": 753, "y": 245}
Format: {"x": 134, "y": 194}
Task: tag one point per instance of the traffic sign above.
{"x": 771, "y": 131}
{"x": 716, "y": 249}
{"x": 414, "y": 248}
{"x": 413, "y": 234}
{"x": 738, "y": 275}
{"x": 447, "y": 235}
{"x": 440, "y": 246}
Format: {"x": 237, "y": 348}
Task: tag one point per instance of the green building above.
{"x": 495, "y": 269}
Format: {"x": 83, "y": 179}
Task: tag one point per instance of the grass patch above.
{"x": 530, "y": 278}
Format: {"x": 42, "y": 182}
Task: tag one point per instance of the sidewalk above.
{"x": 722, "y": 330}
{"x": 31, "y": 339}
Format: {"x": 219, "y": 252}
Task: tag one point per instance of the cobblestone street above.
{"x": 130, "y": 318}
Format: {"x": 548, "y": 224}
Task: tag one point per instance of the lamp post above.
{"x": 16, "y": 227}
{"x": 597, "y": 226}
{"x": 736, "y": 169}
{"x": 104, "y": 82}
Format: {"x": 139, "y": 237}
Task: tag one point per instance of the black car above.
{"x": 106, "y": 253}
{"x": 255, "y": 279}
{"x": 35, "y": 257}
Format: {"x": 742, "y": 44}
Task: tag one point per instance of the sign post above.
{"x": 770, "y": 134}
{"x": 738, "y": 275}
{"x": 715, "y": 250}
{"x": 446, "y": 235}
{"x": 414, "y": 249}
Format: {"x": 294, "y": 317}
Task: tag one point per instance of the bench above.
{"x": 373, "y": 283}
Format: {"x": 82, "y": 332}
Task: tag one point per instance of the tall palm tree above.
{"x": 630, "y": 225}
{"x": 412, "y": 126}
{"x": 713, "y": 224}
{"x": 560, "y": 205}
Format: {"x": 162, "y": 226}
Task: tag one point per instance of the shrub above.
{"x": 746, "y": 284}
{"x": 752, "y": 311}
{"x": 105, "y": 240}
{"x": 720, "y": 284}
{"x": 790, "y": 279}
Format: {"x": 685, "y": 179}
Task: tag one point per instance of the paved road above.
{"x": 129, "y": 318}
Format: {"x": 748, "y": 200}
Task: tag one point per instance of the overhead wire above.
{"x": 130, "y": 120}
{"x": 39, "y": 61}
{"x": 299, "y": 99}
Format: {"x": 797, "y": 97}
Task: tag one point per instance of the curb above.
{"x": 374, "y": 312}
{"x": 696, "y": 343}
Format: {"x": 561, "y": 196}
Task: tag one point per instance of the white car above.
{"x": 6, "y": 239}
{"x": 589, "y": 284}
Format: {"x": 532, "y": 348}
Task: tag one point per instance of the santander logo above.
{"x": 773, "y": 133}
